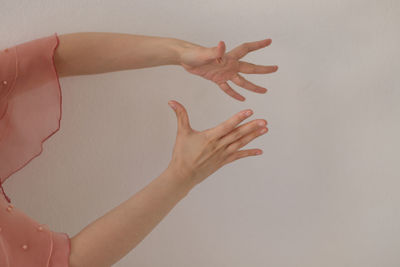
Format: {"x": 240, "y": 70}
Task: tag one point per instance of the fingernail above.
{"x": 248, "y": 113}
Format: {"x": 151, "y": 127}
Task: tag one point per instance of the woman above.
{"x": 30, "y": 112}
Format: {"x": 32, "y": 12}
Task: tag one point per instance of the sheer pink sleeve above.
{"x": 30, "y": 102}
{"x": 30, "y": 113}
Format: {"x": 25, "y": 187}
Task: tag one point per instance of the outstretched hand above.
{"x": 213, "y": 64}
{"x": 198, "y": 154}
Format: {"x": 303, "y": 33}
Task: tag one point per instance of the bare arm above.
{"x": 109, "y": 238}
{"x": 85, "y": 53}
{"x": 196, "y": 156}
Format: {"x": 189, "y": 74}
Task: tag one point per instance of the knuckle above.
{"x": 239, "y": 155}
{"x": 212, "y": 145}
{"x": 236, "y": 145}
{"x": 259, "y": 133}
{"x": 208, "y": 136}
{"x": 245, "y": 153}
{"x": 230, "y": 149}
{"x": 256, "y": 132}
{"x": 243, "y": 141}
{"x": 237, "y": 134}
{"x": 250, "y": 153}
{"x": 241, "y": 116}
{"x": 252, "y": 137}
{"x": 229, "y": 126}
{"x": 232, "y": 157}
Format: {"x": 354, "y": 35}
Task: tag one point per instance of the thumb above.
{"x": 182, "y": 116}
{"x": 217, "y": 51}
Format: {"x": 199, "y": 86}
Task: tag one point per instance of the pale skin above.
{"x": 196, "y": 154}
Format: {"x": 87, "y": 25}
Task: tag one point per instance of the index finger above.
{"x": 245, "y": 48}
{"x": 229, "y": 125}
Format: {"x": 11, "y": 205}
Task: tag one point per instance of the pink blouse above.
{"x": 30, "y": 113}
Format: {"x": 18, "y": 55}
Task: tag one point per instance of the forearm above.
{"x": 85, "y": 53}
{"x": 109, "y": 238}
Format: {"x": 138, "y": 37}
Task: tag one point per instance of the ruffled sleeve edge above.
{"x": 3, "y": 179}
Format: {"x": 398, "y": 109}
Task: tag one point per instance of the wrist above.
{"x": 180, "y": 179}
{"x": 178, "y": 48}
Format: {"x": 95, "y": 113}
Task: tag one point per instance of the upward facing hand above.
{"x": 213, "y": 64}
{"x": 198, "y": 154}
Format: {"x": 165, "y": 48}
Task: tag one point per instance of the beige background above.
{"x": 324, "y": 193}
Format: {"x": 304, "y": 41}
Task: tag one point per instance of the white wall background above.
{"x": 326, "y": 191}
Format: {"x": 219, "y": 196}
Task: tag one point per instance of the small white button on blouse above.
{"x": 25, "y": 247}
{"x": 10, "y": 207}
{"x": 40, "y": 228}
{"x": 5, "y": 82}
